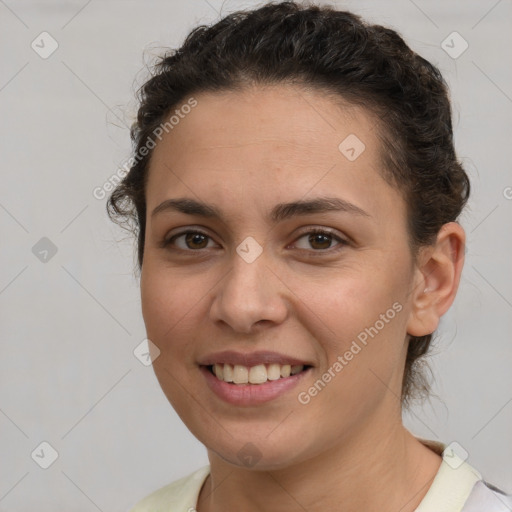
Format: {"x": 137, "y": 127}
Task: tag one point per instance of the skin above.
{"x": 244, "y": 152}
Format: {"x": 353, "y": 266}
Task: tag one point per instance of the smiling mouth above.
{"x": 259, "y": 374}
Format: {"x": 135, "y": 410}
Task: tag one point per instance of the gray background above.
{"x": 69, "y": 325}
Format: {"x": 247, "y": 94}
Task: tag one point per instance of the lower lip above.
{"x": 251, "y": 394}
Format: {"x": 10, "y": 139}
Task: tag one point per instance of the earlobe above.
{"x": 437, "y": 280}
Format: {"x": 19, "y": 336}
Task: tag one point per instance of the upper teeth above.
{"x": 255, "y": 374}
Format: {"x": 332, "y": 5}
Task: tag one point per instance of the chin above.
{"x": 255, "y": 450}
{"x": 252, "y": 458}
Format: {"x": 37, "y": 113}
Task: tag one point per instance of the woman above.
{"x": 295, "y": 193}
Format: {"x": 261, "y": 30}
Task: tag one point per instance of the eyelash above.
{"x": 314, "y": 231}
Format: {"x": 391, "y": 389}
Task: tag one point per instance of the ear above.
{"x": 436, "y": 279}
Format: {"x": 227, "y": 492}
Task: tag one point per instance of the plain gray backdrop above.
{"x": 69, "y": 301}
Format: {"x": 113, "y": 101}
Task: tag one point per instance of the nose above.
{"x": 250, "y": 296}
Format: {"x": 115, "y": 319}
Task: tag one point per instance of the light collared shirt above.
{"x": 457, "y": 487}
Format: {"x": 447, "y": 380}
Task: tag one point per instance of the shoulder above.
{"x": 485, "y": 497}
{"x": 179, "y": 495}
{"x": 459, "y": 487}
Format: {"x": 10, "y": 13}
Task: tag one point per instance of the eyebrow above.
{"x": 279, "y": 212}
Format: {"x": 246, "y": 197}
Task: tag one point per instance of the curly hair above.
{"x": 339, "y": 54}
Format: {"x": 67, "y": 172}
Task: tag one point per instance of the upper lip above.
{"x": 250, "y": 359}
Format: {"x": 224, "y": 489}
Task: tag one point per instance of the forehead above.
{"x": 274, "y": 116}
{"x": 269, "y": 144}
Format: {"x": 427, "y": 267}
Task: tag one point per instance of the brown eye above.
{"x": 323, "y": 240}
{"x": 193, "y": 240}
{"x": 320, "y": 240}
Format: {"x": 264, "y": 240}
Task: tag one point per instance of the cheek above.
{"x": 365, "y": 316}
{"x": 170, "y": 303}
{"x": 355, "y": 301}
{"x": 166, "y": 301}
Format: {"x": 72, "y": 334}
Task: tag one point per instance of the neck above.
{"x": 380, "y": 469}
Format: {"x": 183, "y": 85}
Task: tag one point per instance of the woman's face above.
{"x": 255, "y": 288}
